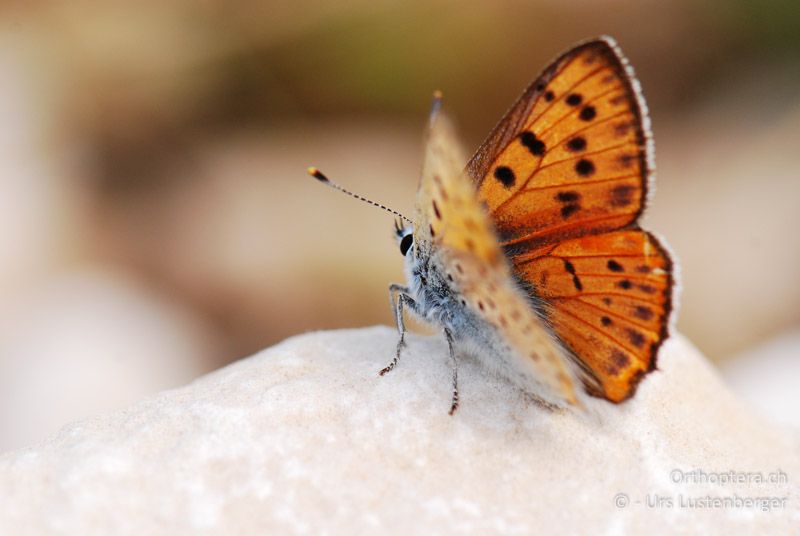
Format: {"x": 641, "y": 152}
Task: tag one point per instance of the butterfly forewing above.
{"x": 577, "y": 163}
{"x": 565, "y": 178}
{"x": 464, "y": 249}
{"x": 448, "y": 216}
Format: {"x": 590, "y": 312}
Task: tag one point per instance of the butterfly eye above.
{"x": 405, "y": 244}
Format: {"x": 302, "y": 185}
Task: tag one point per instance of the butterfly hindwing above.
{"x": 608, "y": 297}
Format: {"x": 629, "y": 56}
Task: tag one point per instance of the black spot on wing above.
{"x": 532, "y": 143}
{"x": 578, "y": 143}
{"x": 577, "y": 282}
{"x": 505, "y": 175}
{"x": 570, "y": 202}
{"x": 588, "y": 113}
{"x": 622, "y": 195}
{"x": 568, "y": 197}
{"x": 584, "y": 167}
{"x": 619, "y": 360}
{"x": 570, "y": 268}
{"x": 647, "y": 289}
{"x": 636, "y": 338}
{"x": 627, "y": 160}
{"x": 621, "y": 129}
{"x": 569, "y": 210}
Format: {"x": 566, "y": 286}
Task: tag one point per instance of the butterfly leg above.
{"x": 399, "y": 296}
{"x": 449, "y": 337}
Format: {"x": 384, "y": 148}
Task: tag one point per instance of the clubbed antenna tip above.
{"x": 317, "y": 174}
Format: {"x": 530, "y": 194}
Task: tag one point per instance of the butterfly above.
{"x": 531, "y": 257}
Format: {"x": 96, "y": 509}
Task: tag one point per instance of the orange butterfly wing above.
{"x": 608, "y": 297}
{"x": 565, "y": 177}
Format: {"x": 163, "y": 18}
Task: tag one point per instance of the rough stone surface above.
{"x": 305, "y": 437}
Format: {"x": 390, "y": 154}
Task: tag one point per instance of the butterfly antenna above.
{"x": 317, "y": 174}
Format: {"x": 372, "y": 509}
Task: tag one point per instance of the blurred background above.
{"x": 156, "y": 221}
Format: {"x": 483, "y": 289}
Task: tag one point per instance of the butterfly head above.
{"x": 404, "y": 234}
{"x": 416, "y": 256}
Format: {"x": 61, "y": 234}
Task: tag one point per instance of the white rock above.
{"x": 306, "y": 438}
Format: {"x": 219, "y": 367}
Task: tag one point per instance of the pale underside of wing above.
{"x": 455, "y": 231}
{"x": 448, "y": 215}
{"x": 529, "y": 354}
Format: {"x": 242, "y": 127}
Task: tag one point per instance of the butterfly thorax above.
{"x": 443, "y": 299}
{"x": 434, "y": 298}
{"x": 439, "y": 301}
